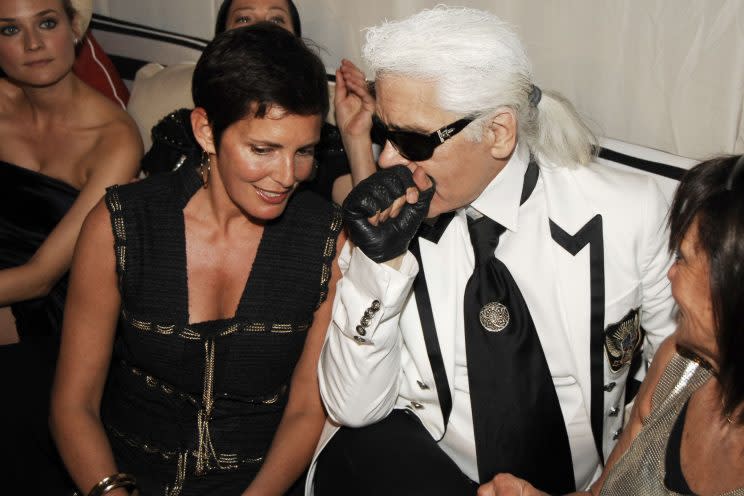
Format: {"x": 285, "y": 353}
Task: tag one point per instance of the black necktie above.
{"x": 517, "y": 419}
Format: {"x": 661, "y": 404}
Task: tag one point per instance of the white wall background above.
{"x": 668, "y": 74}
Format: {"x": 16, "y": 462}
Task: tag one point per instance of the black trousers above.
{"x": 396, "y": 456}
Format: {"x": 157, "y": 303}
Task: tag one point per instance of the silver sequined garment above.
{"x": 641, "y": 470}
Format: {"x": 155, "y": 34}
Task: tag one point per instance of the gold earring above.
{"x": 206, "y": 167}
{"x": 314, "y": 172}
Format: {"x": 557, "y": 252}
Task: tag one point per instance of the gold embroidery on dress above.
{"x": 155, "y": 383}
{"x": 192, "y": 335}
{"x": 281, "y": 328}
{"x": 204, "y": 446}
{"x": 255, "y": 327}
{"x": 120, "y": 233}
{"x": 136, "y": 443}
{"x": 330, "y": 246}
{"x": 231, "y": 329}
{"x": 328, "y": 253}
{"x": 180, "y": 476}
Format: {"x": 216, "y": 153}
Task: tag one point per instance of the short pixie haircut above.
{"x": 221, "y": 24}
{"x": 247, "y": 71}
{"x": 713, "y": 194}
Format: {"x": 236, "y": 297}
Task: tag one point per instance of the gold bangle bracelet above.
{"x": 114, "y": 481}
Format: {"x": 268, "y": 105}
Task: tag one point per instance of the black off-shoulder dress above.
{"x": 31, "y": 205}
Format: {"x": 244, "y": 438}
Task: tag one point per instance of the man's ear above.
{"x": 203, "y": 130}
{"x": 502, "y": 131}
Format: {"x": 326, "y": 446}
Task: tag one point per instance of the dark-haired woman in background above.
{"x": 237, "y": 13}
{"x": 686, "y": 432}
{"x": 222, "y": 278}
{"x": 62, "y": 144}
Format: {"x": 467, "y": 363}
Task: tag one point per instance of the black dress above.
{"x": 191, "y": 408}
{"x": 31, "y": 205}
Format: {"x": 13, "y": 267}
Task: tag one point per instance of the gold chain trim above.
{"x": 191, "y": 335}
{"x": 154, "y": 383}
{"x": 329, "y": 252}
{"x": 137, "y": 443}
{"x": 227, "y": 461}
{"x": 120, "y": 232}
{"x": 180, "y": 476}
{"x": 205, "y": 446}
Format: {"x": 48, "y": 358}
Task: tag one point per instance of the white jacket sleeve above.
{"x": 360, "y": 365}
{"x": 657, "y": 309}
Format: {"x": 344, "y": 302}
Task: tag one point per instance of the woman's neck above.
{"x": 58, "y": 100}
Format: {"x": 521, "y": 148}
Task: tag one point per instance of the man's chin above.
{"x": 437, "y": 210}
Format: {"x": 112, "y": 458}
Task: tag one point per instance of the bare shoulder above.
{"x": 664, "y": 354}
{"x": 117, "y": 142}
{"x": 113, "y": 123}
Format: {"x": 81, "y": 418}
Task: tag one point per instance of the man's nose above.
{"x": 391, "y": 156}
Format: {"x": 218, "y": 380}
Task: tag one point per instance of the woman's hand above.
{"x": 353, "y": 102}
{"x": 354, "y": 107}
{"x": 508, "y": 485}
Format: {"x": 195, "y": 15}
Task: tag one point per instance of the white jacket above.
{"x": 613, "y": 221}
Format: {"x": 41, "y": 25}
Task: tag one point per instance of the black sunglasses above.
{"x": 417, "y": 146}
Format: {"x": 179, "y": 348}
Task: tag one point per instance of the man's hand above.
{"x": 383, "y": 212}
{"x": 508, "y": 485}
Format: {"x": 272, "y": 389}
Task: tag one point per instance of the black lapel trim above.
{"x": 591, "y": 234}
{"x": 423, "y": 303}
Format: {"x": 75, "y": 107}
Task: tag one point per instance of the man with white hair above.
{"x": 497, "y": 335}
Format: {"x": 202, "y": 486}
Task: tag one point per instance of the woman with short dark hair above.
{"x": 686, "y": 431}
{"x": 171, "y": 138}
{"x": 221, "y": 278}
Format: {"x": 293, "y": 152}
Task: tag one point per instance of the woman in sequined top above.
{"x": 686, "y": 430}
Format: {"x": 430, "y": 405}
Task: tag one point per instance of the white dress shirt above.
{"x": 527, "y": 229}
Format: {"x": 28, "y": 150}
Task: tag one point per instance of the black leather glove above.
{"x": 388, "y": 239}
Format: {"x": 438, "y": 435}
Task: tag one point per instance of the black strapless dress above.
{"x": 31, "y": 205}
